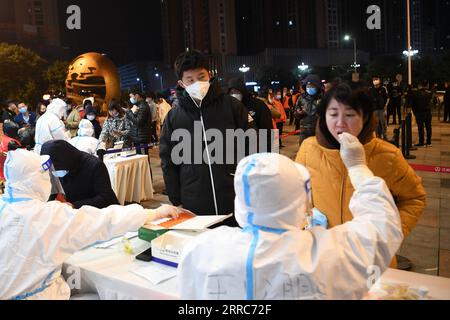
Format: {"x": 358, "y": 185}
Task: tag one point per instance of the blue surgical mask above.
{"x": 133, "y": 100}
{"x": 60, "y": 173}
{"x": 23, "y": 110}
{"x": 311, "y": 91}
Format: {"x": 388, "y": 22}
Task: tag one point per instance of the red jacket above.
{"x": 3, "y": 152}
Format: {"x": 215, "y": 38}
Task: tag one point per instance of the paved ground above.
{"x": 428, "y": 246}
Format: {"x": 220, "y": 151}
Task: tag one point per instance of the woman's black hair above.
{"x": 115, "y": 105}
{"x": 359, "y": 100}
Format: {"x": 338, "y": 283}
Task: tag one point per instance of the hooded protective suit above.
{"x": 272, "y": 257}
{"x": 85, "y": 140}
{"x": 49, "y": 126}
{"x": 38, "y": 236}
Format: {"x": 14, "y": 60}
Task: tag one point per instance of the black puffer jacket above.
{"x": 141, "y": 122}
{"x": 257, "y": 109}
{"x": 87, "y": 182}
{"x": 187, "y": 183}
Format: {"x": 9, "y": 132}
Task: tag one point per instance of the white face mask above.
{"x": 90, "y": 118}
{"x": 198, "y": 90}
{"x": 237, "y": 96}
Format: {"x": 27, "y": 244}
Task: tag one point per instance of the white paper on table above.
{"x": 155, "y": 272}
{"x": 110, "y": 243}
{"x": 200, "y": 222}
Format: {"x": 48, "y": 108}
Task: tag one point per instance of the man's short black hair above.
{"x": 136, "y": 91}
{"x": 190, "y": 60}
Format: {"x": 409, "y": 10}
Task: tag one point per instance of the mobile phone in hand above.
{"x": 145, "y": 256}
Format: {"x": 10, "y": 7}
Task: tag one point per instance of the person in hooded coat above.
{"x": 91, "y": 115}
{"x": 272, "y": 257}
{"x": 85, "y": 140}
{"x": 306, "y": 107}
{"x": 50, "y": 126}
{"x": 84, "y": 177}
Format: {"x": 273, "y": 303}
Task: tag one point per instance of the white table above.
{"x": 106, "y": 272}
{"x": 130, "y": 178}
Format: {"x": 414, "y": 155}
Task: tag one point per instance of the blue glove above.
{"x": 319, "y": 219}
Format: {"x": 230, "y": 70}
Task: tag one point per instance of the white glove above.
{"x": 354, "y": 157}
{"x": 352, "y": 151}
{"x": 165, "y": 211}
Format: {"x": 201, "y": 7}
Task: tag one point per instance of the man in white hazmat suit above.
{"x": 38, "y": 236}
{"x": 272, "y": 257}
{"x": 49, "y": 126}
{"x": 85, "y": 140}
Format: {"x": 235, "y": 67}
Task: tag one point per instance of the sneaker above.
{"x": 419, "y": 145}
{"x": 429, "y": 145}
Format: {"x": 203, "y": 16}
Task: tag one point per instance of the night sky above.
{"x": 125, "y": 30}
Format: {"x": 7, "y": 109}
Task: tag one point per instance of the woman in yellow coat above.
{"x": 342, "y": 110}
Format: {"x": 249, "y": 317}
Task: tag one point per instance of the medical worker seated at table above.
{"x": 38, "y": 236}
{"x": 272, "y": 257}
{"x": 84, "y": 177}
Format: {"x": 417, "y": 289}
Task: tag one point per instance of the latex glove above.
{"x": 354, "y": 157}
{"x": 352, "y": 151}
{"x": 165, "y": 211}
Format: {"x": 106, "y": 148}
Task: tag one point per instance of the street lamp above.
{"x": 348, "y": 38}
{"x": 157, "y": 75}
{"x": 303, "y": 67}
{"x": 244, "y": 69}
{"x": 411, "y": 52}
{"x": 142, "y": 84}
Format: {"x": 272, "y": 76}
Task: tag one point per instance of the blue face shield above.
{"x": 60, "y": 173}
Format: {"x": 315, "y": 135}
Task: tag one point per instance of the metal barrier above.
{"x": 406, "y": 134}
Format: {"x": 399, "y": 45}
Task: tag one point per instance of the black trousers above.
{"x": 395, "y": 108}
{"x": 424, "y": 121}
{"x": 154, "y": 134}
{"x": 447, "y": 112}
{"x": 297, "y": 124}
{"x": 280, "y": 126}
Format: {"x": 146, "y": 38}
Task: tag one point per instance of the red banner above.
{"x": 435, "y": 169}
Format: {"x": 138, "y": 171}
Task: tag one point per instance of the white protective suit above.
{"x": 272, "y": 258}
{"x": 85, "y": 140}
{"x": 49, "y": 126}
{"x": 38, "y": 236}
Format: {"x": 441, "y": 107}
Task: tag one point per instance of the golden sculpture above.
{"x": 93, "y": 75}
